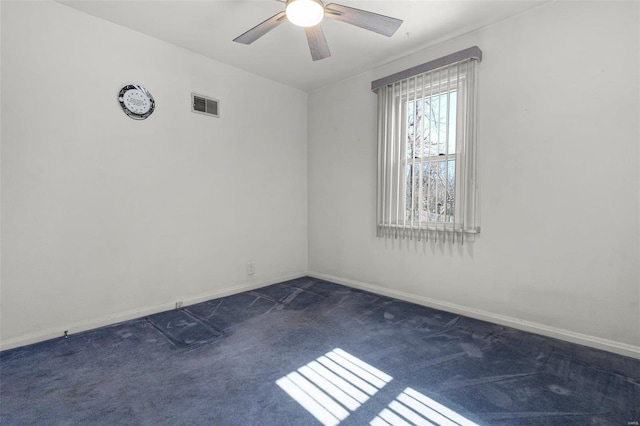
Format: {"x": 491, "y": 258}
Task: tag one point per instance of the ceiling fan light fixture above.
{"x": 305, "y": 13}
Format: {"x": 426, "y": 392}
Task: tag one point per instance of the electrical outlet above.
{"x": 179, "y": 304}
{"x": 251, "y": 268}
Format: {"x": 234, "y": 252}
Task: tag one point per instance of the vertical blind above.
{"x": 427, "y": 183}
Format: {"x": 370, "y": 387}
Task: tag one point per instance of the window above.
{"x": 426, "y": 152}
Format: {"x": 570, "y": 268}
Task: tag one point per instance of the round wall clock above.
{"x": 136, "y": 102}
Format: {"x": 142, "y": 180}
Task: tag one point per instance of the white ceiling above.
{"x": 209, "y": 26}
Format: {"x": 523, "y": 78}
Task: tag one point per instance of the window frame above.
{"x": 459, "y": 86}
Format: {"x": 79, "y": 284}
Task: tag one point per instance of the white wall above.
{"x": 559, "y": 138}
{"x": 105, "y": 217}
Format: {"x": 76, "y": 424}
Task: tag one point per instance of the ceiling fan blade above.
{"x": 380, "y": 24}
{"x": 261, "y": 29}
{"x": 317, "y": 43}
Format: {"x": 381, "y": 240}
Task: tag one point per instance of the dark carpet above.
{"x": 308, "y": 352}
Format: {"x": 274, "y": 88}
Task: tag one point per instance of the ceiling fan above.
{"x": 309, "y": 13}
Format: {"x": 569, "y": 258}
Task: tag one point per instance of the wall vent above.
{"x": 205, "y": 105}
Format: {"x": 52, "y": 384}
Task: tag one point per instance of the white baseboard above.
{"x": 136, "y": 313}
{"x": 558, "y": 333}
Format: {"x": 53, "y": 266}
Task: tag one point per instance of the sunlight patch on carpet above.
{"x": 414, "y": 408}
{"x": 333, "y": 385}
